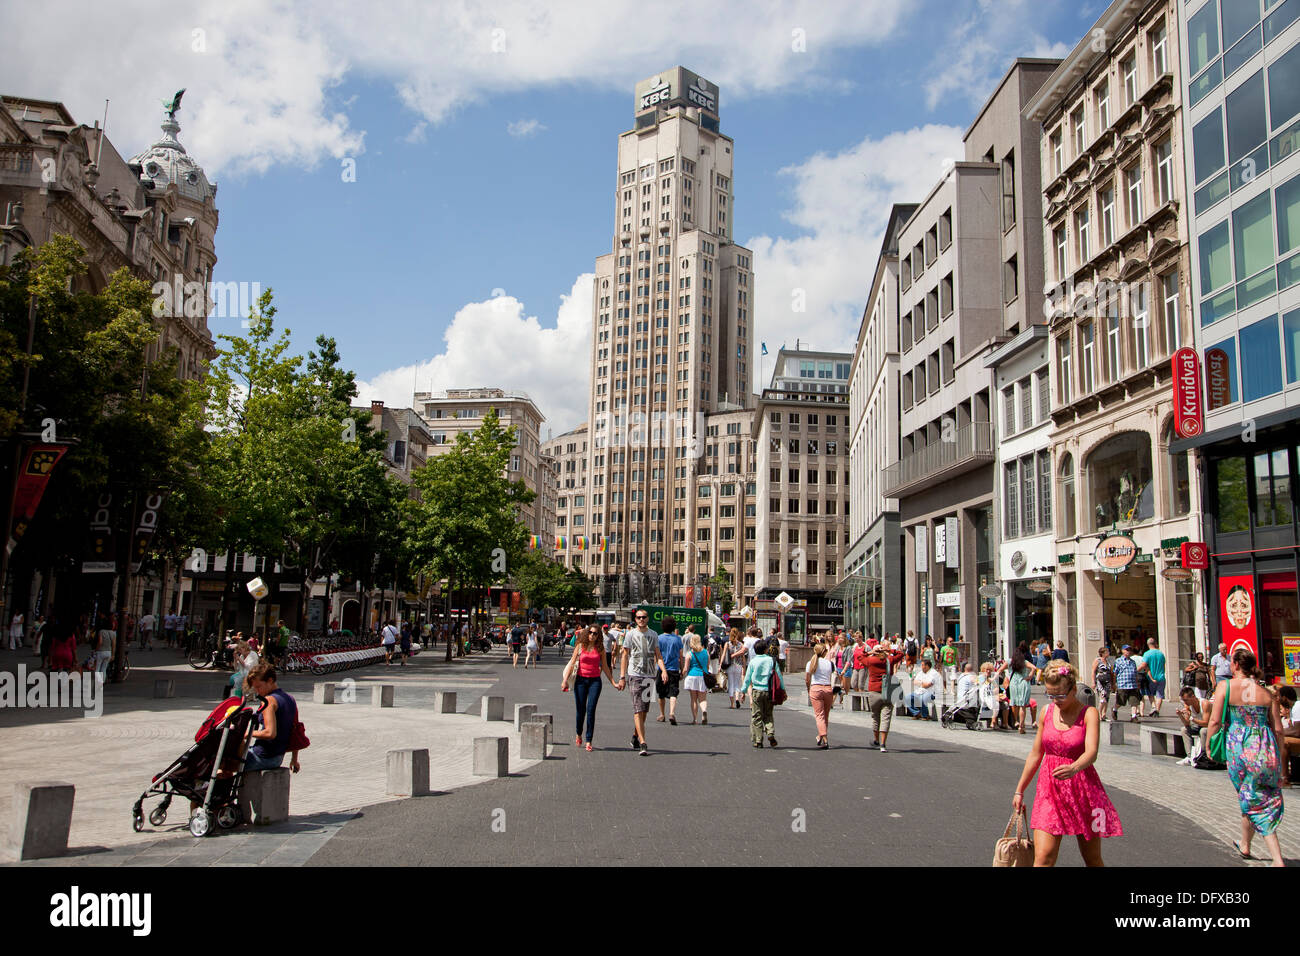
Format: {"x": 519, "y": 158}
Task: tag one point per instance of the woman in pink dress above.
{"x": 1070, "y": 800}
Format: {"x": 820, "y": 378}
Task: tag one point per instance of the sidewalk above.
{"x": 111, "y": 758}
{"x": 1205, "y": 798}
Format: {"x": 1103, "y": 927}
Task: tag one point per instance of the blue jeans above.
{"x": 253, "y": 761}
{"x": 586, "y": 692}
{"x": 919, "y": 702}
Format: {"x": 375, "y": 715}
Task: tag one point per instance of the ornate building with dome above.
{"x": 155, "y": 213}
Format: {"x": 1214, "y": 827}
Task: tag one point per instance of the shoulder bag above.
{"x": 1015, "y": 850}
{"x": 777, "y": 686}
{"x": 1218, "y": 748}
{"x": 709, "y": 680}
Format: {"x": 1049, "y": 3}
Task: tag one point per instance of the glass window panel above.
{"x": 1261, "y": 366}
{"x": 1247, "y": 127}
{"x": 1215, "y": 191}
{"x": 1207, "y": 145}
{"x": 1246, "y": 171}
{"x": 1272, "y": 489}
{"x": 1203, "y": 37}
{"x": 1218, "y": 307}
{"x": 1255, "y": 288}
{"x": 1284, "y": 87}
{"x": 1119, "y": 481}
{"x": 1230, "y": 487}
{"x": 1239, "y": 55}
{"x": 1221, "y": 374}
{"x": 1206, "y": 83}
{"x": 1252, "y": 236}
{"x": 1238, "y": 17}
{"x": 1280, "y": 19}
{"x": 1180, "y": 487}
{"x": 1288, "y": 273}
{"x": 1216, "y": 264}
{"x": 1067, "y": 496}
{"x": 1291, "y": 345}
{"x": 1288, "y": 214}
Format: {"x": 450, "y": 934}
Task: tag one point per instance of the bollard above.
{"x": 42, "y": 819}
{"x": 164, "y": 688}
{"x": 408, "y": 773}
{"x": 858, "y": 702}
{"x": 1116, "y": 731}
{"x": 491, "y": 756}
{"x": 381, "y": 695}
{"x": 494, "y": 708}
{"x": 549, "y": 721}
{"x": 444, "y": 702}
{"x": 523, "y": 712}
{"x": 533, "y": 740}
{"x": 323, "y": 693}
{"x": 264, "y": 796}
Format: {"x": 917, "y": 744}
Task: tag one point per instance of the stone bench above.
{"x": 858, "y": 701}
{"x": 494, "y": 708}
{"x": 534, "y": 739}
{"x": 381, "y": 695}
{"x": 522, "y": 713}
{"x": 323, "y": 693}
{"x": 1155, "y": 741}
{"x": 491, "y": 756}
{"x": 264, "y": 796}
{"x": 42, "y": 819}
{"x": 408, "y": 773}
{"x": 444, "y": 702}
{"x": 1115, "y": 731}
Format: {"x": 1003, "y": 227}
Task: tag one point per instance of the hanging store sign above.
{"x": 1196, "y": 556}
{"x": 948, "y": 599}
{"x": 1018, "y": 562}
{"x": 33, "y": 475}
{"x": 941, "y": 544}
{"x": 1177, "y": 574}
{"x": 1218, "y": 379}
{"x": 989, "y": 591}
{"x": 1040, "y": 585}
{"x": 1188, "y": 421}
{"x": 922, "y": 549}
{"x": 954, "y": 555}
{"x": 1115, "y": 553}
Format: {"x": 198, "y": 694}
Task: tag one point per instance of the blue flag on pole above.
{"x": 764, "y": 348}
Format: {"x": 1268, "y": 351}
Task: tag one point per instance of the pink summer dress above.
{"x": 1077, "y": 806}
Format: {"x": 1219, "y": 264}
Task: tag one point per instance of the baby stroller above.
{"x": 966, "y": 712}
{"x": 209, "y": 773}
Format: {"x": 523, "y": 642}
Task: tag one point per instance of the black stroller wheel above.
{"x": 158, "y": 816}
{"x": 137, "y": 822}
{"x": 228, "y": 817}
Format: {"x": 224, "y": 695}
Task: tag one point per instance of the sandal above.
{"x": 1245, "y": 856}
{"x": 588, "y": 746}
{"x": 577, "y": 741}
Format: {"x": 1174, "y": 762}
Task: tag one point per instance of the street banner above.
{"x": 505, "y": 602}
{"x": 922, "y": 550}
{"x": 690, "y": 596}
{"x": 1237, "y": 613}
{"x": 33, "y": 475}
{"x": 101, "y": 554}
{"x": 514, "y": 601}
{"x": 1291, "y": 658}
{"x": 145, "y": 528}
{"x": 950, "y": 534}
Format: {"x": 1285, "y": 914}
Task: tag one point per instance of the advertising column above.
{"x": 1237, "y": 604}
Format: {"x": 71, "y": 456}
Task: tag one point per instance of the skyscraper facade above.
{"x": 672, "y": 324}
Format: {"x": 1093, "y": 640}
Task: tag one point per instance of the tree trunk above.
{"x": 450, "y": 625}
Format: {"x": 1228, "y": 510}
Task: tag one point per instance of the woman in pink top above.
{"x": 583, "y": 672}
{"x": 1070, "y": 800}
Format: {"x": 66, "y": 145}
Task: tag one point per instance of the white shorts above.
{"x": 695, "y": 683}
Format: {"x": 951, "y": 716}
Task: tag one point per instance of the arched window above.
{"x": 1067, "y": 508}
{"x": 1179, "y": 495}
{"x": 1119, "y": 482}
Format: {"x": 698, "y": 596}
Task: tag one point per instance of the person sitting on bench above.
{"x": 1195, "y": 716}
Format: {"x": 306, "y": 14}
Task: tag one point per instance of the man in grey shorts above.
{"x": 641, "y": 663}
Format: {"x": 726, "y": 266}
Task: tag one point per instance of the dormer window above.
{"x": 153, "y": 169}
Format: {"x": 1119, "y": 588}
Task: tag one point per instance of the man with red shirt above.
{"x": 860, "y": 652}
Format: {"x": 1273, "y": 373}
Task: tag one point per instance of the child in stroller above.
{"x": 209, "y": 773}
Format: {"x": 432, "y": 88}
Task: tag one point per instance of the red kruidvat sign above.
{"x": 1188, "y": 421}
{"x": 1218, "y": 383}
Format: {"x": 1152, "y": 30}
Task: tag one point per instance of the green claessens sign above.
{"x": 684, "y": 616}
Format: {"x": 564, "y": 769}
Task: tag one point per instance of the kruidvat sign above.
{"x": 1115, "y": 553}
{"x": 1218, "y": 379}
{"x": 1188, "y": 422}
{"x": 677, "y": 87}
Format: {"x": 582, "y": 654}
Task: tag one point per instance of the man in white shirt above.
{"x": 785, "y": 646}
{"x": 146, "y": 631}
{"x": 924, "y": 682}
{"x": 750, "y": 641}
{"x": 640, "y": 663}
{"x": 16, "y": 632}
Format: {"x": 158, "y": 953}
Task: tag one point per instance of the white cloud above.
{"x": 841, "y": 203}
{"x": 522, "y": 128}
{"x": 261, "y": 77}
{"x": 495, "y": 343}
{"x": 978, "y": 50}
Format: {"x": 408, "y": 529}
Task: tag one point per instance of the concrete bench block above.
{"x": 323, "y": 693}
{"x": 42, "y": 819}
{"x": 1116, "y": 731}
{"x": 444, "y": 702}
{"x": 547, "y": 719}
{"x": 1156, "y": 741}
{"x": 264, "y": 796}
{"x": 858, "y": 702}
{"x": 381, "y": 695}
{"x": 164, "y": 688}
{"x": 522, "y": 713}
{"x": 494, "y": 708}
{"x": 408, "y": 773}
{"x": 491, "y": 756}
{"x": 533, "y": 740}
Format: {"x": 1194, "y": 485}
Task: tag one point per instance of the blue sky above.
{"x": 429, "y": 266}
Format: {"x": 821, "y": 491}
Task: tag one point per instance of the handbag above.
{"x": 1015, "y": 850}
{"x": 778, "y": 687}
{"x": 709, "y": 680}
{"x": 1218, "y": 747}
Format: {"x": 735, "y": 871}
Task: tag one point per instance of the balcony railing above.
{"x": 972, "y": 445}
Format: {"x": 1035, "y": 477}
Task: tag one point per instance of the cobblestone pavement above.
{"x": 706, "y": 796}
{"x": 111, "y": 758}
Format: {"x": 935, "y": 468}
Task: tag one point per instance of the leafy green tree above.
{"x": 720, "y": 585}
{"x": 465, "y": 528}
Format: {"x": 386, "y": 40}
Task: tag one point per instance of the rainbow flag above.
{"x": 604, "y": 543}
{"x": 561, "y": 542}
{"x": 534, "y": 542}
{"x": 581, "y": 542}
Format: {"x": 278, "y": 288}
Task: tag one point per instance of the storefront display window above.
{"x": 1069, "y": 601}
{"x": 1185, "y": 618}
{"x": 1119, "y": 481}
{"x": 1232, "y": 510}
{"x": 1067, "y": 496}
{"x": 1180, "y": 486}
{"x": 1272, "y": 489}
{"x": 1279, "y": 618}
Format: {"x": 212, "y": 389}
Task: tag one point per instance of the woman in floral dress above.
{"x": 1254, "y": 731}
{"x": 1070, "y": 800}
